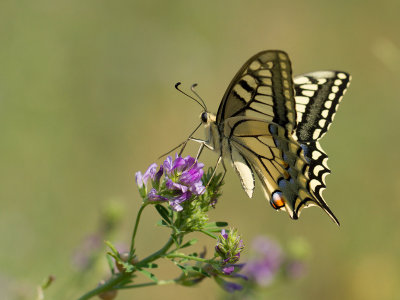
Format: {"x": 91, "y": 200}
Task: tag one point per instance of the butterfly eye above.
{"x": 204, "y": 117}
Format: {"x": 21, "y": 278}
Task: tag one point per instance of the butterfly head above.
{"x": 207, "y": 118}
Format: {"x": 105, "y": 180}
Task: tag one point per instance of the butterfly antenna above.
{"x": 177, "y": 87}
{"x": 197, "y": 95}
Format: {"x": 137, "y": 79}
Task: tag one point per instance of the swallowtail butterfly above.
{"x": 270, "y": 124}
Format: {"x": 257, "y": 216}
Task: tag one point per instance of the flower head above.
{"x": 264, "y": 268}
{"x": 229, "y": 246}
{"x": 176, "y": 181}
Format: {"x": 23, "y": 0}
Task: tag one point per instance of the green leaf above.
{"x": 150, "y": 266}
{"x": 163, "y": 213}
{"x": 149, "y": 275}
{"x": 195, "y": 269}
{"x": 183, "y": 268}
{"x": 117, "y": 258}
{"x": 189, "y": 243}
{"x": 162, "y": 223}
{"x": 216, "y": 224}
{"x": 209, "y": 233}
{"x": 129, "y": 268}
{"x": 112, "y": 248}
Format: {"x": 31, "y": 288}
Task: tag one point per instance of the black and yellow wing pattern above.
{"x": 262, "y": 88}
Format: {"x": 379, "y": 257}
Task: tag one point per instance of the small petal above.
{"x": 228, "y": 270}
{"x": 139, "y": 179}
{"x": 150, "y": 173}
{"x": 168, "y": 165}
{"x": 175, "y": 205}
{"x": 153, "y": 196}
{"x": 158, "y": 175}
{"x": 179, "y": 164}
{"x": 231, "y": 287}
{"x": 176, "y": 186}
{"x": 198, "y": 188}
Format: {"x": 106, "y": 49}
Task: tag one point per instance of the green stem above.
{"x": 156, "y": 254}
{"x": 108, "y": 285}
{"x": 120, "y": 277}
{"x": 160, "y": 282}
{"x": 178, "y": 255}
{"x": 136, "y": 228}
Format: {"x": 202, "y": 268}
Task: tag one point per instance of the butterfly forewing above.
{"x": 317, "y": 96}
{"x": 263, "y": 88}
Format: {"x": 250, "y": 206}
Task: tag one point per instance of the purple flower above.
{"x": 264, "y": 268}
{"x": 228, "y": 270}
{"x": 139, "y": 179}
{"x": 175, "y": 181}
{"x": 231, "y": 287}
{"x": 153, "y": 196}
{"x": 228, "y": 285}
{"x": 184, "y": 179}
{"x": 150, "y": 173}
{"x": 158, "y": 175}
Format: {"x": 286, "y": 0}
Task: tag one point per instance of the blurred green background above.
{"x": 87, "y": 99}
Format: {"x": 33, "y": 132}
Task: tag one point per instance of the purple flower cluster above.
{"x": 229, "y": 247}
{"x": 175, "y": 181}
{"x": 264, "y": 268}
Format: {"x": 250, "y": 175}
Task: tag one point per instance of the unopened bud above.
{"x": 124, "y": 257}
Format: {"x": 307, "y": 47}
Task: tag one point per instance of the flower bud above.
{"x": 124, "y": 257}
{"x": 229, "y": 246}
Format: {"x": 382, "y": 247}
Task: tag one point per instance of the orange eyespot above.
{"x": 277, "y": 200}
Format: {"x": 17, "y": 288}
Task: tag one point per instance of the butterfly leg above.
{"x": 183, "y": 144}
{"x": 220, "y": 160}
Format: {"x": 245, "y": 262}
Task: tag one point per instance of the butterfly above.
{"x": 269, "y": 124}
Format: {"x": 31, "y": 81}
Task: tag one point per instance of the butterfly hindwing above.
{"x": 262, "y": 88}
{"x": 318, "y": 95}
{"x": 317, "y": 172}
{"x": 276, "y": 158}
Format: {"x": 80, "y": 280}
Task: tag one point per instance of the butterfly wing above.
{"x": 262, "y": 88}
{"x": 276, "y": 159}
{"x": 318, "y": 95}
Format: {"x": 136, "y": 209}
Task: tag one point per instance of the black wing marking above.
{"x": 318, "y": 95}
{"x": 262, "y": 88}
